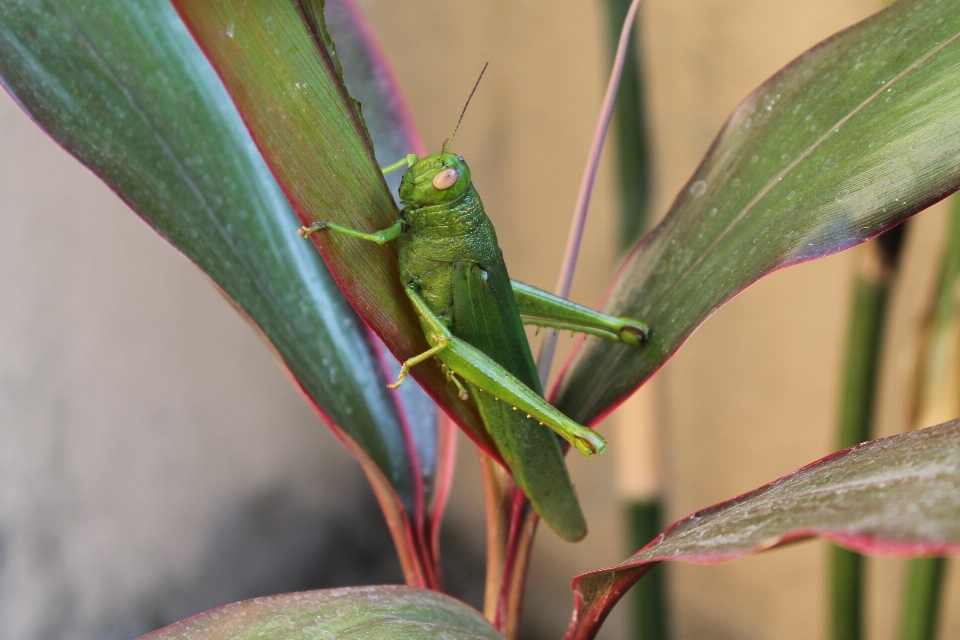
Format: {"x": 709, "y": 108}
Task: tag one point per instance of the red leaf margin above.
{"x": 415, "y": 535}
{"x": 368, "y": 274}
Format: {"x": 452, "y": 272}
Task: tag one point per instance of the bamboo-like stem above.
{"x": 510, "y": 603}
{"x": 630, "y": 127}
{"x": 871, "y": 289}
{"x": 644, "y": 509}
{"x": 639, "y": 483}
{"x": 649, "y": 606}
{"x": 938, "y": 400}
{"x": 921, "y": 601}
{"x": 511, "y": 522}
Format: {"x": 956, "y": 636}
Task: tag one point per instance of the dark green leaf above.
{"x": 369, "y": 613}
{"x": 857, "y": 134}
{"x": 370, "y": 82}
{"x": 123, "y": 87}
{"x": 274, "y": 57}
{"x": 897, "y": 496}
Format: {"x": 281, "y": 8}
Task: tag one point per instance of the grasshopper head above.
{"x": 436, "y": 179}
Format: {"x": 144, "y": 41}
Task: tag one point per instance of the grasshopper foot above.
{"x": 306, "y": 232}
{"x": 404, "y": 370}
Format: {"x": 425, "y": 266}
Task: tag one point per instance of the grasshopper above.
{"x": 472, "y": 315}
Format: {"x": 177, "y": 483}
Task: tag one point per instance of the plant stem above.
{"x": 644, "y": 515}
{"x": 511, "y": 527}
{"x": 847, "y": 589}
{"x": 872, "y": 283}
{"x": 649, "y": 601}
{"x": 630, "y": 120}
{"x": 921, "y": 600}
{"x": 938, "y": 400}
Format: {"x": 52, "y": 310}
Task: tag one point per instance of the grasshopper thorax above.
{"x": 439, "y": 178}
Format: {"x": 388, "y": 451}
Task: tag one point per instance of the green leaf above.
{"x": 370, "y": 81}
{"x": 356, "y": 612}
{"x": 124, "y": 88}
{"x": 275, "y": 60}
{"x": 848, "y": 140}
{"x": 897, "y": 496}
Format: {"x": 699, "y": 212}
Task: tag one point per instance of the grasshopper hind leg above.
{"x": 477, "y": 368}
{"x": 543, "y": 309}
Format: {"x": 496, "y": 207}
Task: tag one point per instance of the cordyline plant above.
{"x": 228, "y": 124}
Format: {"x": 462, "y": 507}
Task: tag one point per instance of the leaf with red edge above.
{"x": 369, "y": 79}
{"x": 355, "y": 612}
{"x": 848, "y": 140}
{"x": 275, "y": 58}
{"x": 899, "y": 496}
{"x": 125, "y": 89}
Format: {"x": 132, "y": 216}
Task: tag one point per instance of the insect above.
{"x": 472, "y": 315}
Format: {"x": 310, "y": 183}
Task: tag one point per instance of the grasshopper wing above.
{"x": 485, "y": 315}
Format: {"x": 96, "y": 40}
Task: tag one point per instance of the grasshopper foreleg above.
{"x": 380, "y": 237}
{"x": 537, "y": 307}
{"x": 407, "y": 161}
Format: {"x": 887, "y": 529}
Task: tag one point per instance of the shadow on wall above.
{"x": 275, "y": 543}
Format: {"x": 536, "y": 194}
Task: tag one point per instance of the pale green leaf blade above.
{"x": 369, "y": 613}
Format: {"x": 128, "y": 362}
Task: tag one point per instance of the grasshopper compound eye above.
{"x": 445, "y": 179}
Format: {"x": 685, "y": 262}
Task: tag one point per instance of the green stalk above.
{"x": 921, "y": 600}
{"x": 633, "y": 144}
{"x": 648, "y": 595}
{"x": 939, "y": 400}
{"x": 871, "y": 290}
{"x": 645, "y": 516}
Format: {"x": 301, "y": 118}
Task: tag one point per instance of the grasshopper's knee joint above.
{"x": 589, "y": 443}
{"x": 633, "y": 332}
{"x": 306, "y": 232}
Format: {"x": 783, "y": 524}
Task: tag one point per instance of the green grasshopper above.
{"x": 472, "y": 315}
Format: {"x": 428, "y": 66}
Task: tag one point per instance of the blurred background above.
{"x": 155, "y": 462}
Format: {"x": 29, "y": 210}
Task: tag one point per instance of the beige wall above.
{"x": 139, "y": 415}
{"x": 141, "y": 421}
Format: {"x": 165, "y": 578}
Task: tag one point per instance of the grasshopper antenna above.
{"x": 448, "y": 141}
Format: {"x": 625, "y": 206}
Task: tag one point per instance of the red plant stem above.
{"x": 523, "y": 527}
{"x": 497, "y": 488}
{"x": 511, "y": 525}
{"x": 545, "y": 358}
